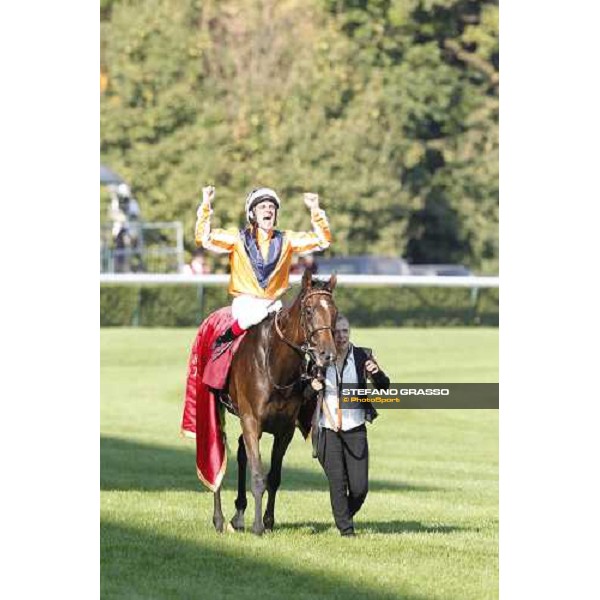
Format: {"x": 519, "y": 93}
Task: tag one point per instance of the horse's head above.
{"x": 318, "y": 315}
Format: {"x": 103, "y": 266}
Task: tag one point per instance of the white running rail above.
{"x": 353, "y": 280}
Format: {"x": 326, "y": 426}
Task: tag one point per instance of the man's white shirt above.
{"x": 351, "y": 417}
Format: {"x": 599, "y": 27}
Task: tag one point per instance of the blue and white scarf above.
{"x": 263, "y": 269}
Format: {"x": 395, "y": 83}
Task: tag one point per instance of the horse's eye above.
{"x": 308, "y": 311}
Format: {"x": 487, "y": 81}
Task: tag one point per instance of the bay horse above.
{"x": 264, "y": 386}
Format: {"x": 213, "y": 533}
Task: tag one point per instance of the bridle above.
{"x": 308, "y": 333}
{"x": 306, "y": 350}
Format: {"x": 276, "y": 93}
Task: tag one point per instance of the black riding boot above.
{"x": 227, "y": 336}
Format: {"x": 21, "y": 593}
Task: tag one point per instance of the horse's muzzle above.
{"x": 324, "y": 358}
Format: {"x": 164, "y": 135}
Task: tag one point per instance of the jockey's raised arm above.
{"x": 221, "y": 241}
{"x": 316, "y": 240}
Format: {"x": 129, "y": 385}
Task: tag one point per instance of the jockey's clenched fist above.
{"x": 208, "y": 194}
{"x": 311, "y": 200}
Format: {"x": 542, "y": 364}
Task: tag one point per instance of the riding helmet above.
{"x": 258, "y": 195}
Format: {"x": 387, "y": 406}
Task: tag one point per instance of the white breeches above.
{"x": 249, "y": 310}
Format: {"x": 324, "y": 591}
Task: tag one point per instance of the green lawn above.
{"x": 429, "y": 527}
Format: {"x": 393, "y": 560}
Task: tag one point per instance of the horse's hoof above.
{"x": 269, "y": 524}
{"x": 219, "y": 526}
{"x": 230, "y": 528}
{"x": 233, "y": 526}
{"x": 237, "y": 521}
{"x": 258, "y": 530}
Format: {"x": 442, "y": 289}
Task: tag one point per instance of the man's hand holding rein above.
{"x": 372, "y": 367}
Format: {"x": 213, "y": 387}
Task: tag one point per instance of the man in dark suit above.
{"x": 342, "y": 447}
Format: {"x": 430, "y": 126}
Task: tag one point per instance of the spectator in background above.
{"x": 116, "y": 214}
{"x": 198, "y": 265}
{"x": 304, "y": 263}
{"x": 309, "y": 263}
{"x": 124, "y": 213}
{"x": 131, "y": 208}
{"x": 130, "y": 205}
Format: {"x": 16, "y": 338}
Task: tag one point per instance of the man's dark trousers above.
{"x": 344, "y": 456}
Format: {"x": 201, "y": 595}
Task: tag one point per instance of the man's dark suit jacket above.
{"x": 380, "y": 380}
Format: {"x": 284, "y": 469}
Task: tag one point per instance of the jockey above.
{"x": 260, "y": 256}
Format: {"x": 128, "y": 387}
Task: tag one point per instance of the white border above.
{"x": 50, "y": 380}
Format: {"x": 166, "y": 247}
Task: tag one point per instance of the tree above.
{"x": 387, "y": 108}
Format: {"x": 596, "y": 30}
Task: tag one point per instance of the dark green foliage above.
{"x": 385, "y": 307}
{"x": 179, "y": 306}
{"x": 118, "y": 305}
{"x": 158, "y": 306}
{"x": 387, "y": 108}
{"x": 169, "y": 306}
{"x": 183, "y": 306}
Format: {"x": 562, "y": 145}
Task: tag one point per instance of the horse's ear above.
{"x": 332, "y": 282}
{"x": 307, "y": 279}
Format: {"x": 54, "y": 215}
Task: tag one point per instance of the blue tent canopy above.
{"x": 108, "y": 177}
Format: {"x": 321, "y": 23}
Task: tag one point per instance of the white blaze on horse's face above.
{"x": 265, "y": 213}
{"x": 319, "y": 315}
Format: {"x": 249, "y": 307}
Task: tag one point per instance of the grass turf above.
{"x": 429, "y": 527}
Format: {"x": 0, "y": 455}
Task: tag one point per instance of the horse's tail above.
{"x": 222, "y": 422}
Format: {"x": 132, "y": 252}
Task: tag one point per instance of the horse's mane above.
{"x": 319, "y": 284}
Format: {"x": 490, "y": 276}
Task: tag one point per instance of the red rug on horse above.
{"x": 201, "y": 415}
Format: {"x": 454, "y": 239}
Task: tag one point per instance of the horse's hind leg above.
{"x": 251, "y": 440}
{"x": 218, "y": 518}
{"x": 280, "y": 446}
{"x": 241, "y": 501}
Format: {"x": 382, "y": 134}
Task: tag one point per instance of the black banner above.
{"x": 422, "y": 395}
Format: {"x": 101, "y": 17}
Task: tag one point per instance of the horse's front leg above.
{"x": 280, "y": 446}
{"x": 218, "y": 518}
{"x": 251, "y": 440}
{"x": 237, "y": 522}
